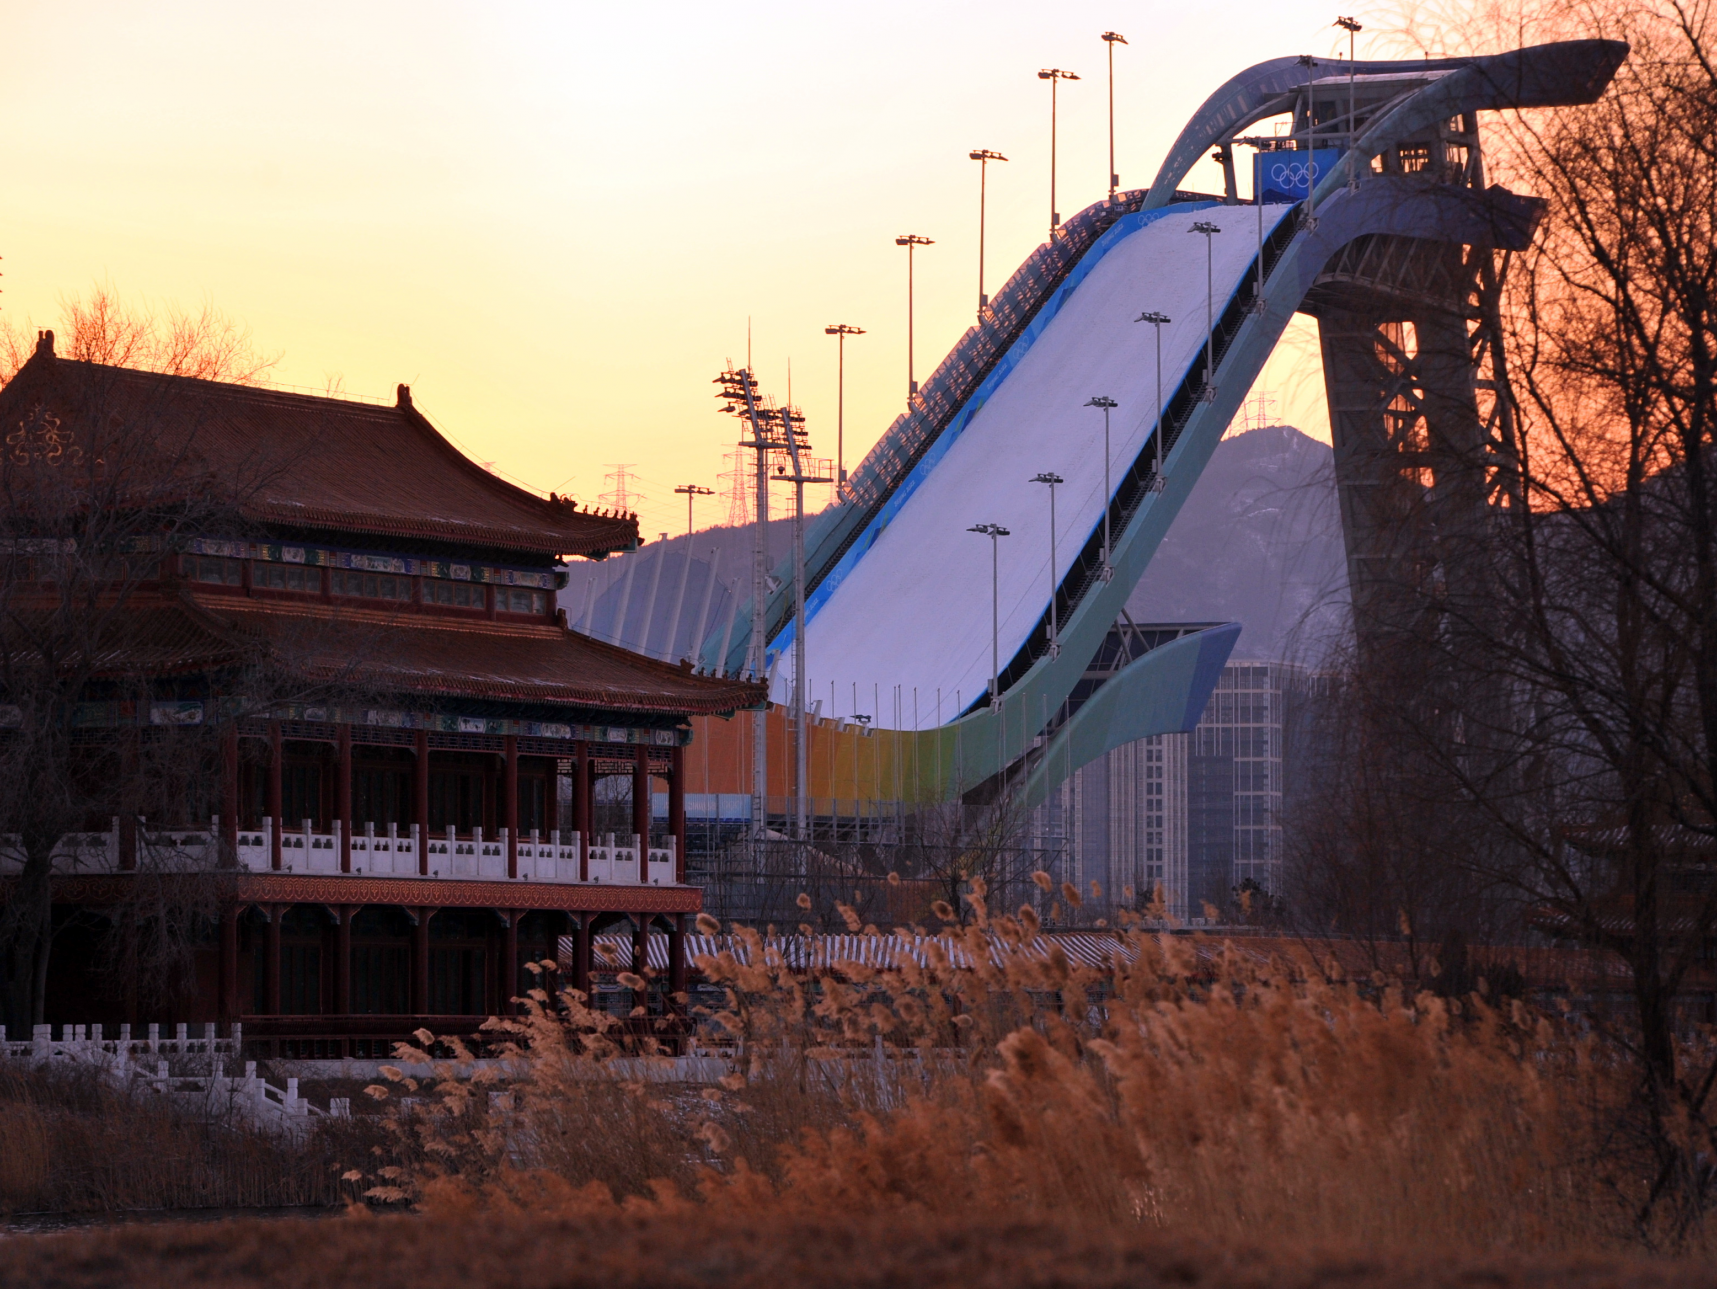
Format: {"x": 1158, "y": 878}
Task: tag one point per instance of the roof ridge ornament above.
{"x": 405, "y": 398}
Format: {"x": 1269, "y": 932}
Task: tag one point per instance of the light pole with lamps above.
{"x": 1208, "y": 393}
{"x": 983, "y": 156}
{"x": 1111, "y": 39}
{"x": 1352, "y": 27}
{"x": 1107, "y": 572}
{"x": 994, "y": 532}
{"x": 911, "y": 241}
{"x": 1054, "y": 75}
{"x": 1054, "y": 621}
{"x": 1311, "y": 220}
{"x": 841, "y": 330}
{"x": 1159, "y": 321}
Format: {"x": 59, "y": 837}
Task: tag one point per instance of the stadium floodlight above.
{"x": 1111, "y": 39}
{"x": 1107, "y": 572}
{"x": 983, "y": 156}
{"x": 911, "y": 241}
{"x": 841, "y": 330}
{"x": 1208, "y": 393}
{"x": 994, "y": 532}
{"x": 1052, "y": 479}
{"x": 1352, "y": 27}
{"x": 1054, "y": 75}
{"x": 1159, "y": 321}
{"x": 1311, "y": 220}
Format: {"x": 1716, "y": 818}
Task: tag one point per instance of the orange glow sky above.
{"x": 552, "y": 221}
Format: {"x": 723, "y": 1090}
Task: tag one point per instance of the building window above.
{"x": 285, "y": 577}
{"x": 372, "y": 586}
{"x": 381, "y": 962}
{"x": 458, "y": 800}
{"x": 512, "y": 600}
{"x": 533, "y": 805}
{"x": 301, "y": 794}
{"x": 380, "y": 796}
{"x": 213, "y": 570}
{"x": 458, "y": 595}
{"x": 459, "y": 963}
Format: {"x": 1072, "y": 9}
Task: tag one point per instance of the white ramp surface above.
{"x": 915, "y": 611}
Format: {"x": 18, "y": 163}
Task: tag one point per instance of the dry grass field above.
{"x": 1021, "y": 1123}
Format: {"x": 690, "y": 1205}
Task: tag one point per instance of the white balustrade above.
{"x": 613, "y": 858}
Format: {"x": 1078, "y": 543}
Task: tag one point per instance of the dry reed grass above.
{"x": 1243, "y": 1104}
{"x": 73, "y": 1142}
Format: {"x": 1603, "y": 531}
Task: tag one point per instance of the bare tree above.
{"x": 103, "y": 477}
{"x": 1554, "y": 735}
{"x": 102, "y": 328}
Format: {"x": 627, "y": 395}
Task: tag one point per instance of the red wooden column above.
{"x": 420, "y": 960}
{"x": 510, "y": 810}
{"x": 641, "y": 949}
{"x": 677, "y": 959}
{"x": 510, "y": 960}
{"x": 588, "y": 788}
{"x": 677, "y": 810}
{"x": 128, "y": 807}
{"x": 229, "y": 793}
{"x": 641, "y": 807}
{"x": 581, "y": 953}
{"x": 343, "y": 795}
{"x": 276, "y": 758}
{"x": 420, "y": 801}
{"x": 271, "y": 959}
{"x": 343, "y": 958}
{"x": 580, "y": 820}
{"x": 229, "y": 963}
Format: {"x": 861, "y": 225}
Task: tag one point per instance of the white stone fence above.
{"x": 200, "y": 1084}
{"x": 305, "y": 849}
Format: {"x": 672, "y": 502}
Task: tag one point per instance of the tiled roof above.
{"x": 151, "y": 638}
{"x": 424, "y": 654}
{"x": 317, "y": 462}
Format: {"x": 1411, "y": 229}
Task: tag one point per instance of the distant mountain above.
{"x": 1258, "y": 542}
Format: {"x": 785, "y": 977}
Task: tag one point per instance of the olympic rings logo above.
{"x": 1293, "y": 174}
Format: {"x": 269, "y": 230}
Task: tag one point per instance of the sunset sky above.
{"x": 553, "y": 221}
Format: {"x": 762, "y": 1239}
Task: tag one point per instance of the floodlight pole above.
{"x": 1310, "y": 64}
{"x": 994, "y": 532}
{"x": 911, "y": 241}
{"x": 1353, "y": 28}
{"x": 841, "y": 331}
{"x": 1158, "y": 320}
{"x": 1107, "y": 572}
{"x": 1054, "y": 622}
{"x": 1111, "y": 39}
{"x": 791, "y": 433}
{"x": 983, "y": 156}
{"x": 1054, "y": 75}
{"x": 739, "y": 389}
{"x": 1208, "y": 394}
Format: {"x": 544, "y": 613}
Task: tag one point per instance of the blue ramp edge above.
{"x": 1164, "y": 692}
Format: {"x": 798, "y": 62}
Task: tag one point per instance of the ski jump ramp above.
{"x": 899, "y": 592}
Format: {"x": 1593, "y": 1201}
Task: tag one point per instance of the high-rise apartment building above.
{"x": 1199, "y": 813}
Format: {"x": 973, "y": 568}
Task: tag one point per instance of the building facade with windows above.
{"x": 415, "y": 786}
{"x": 1199, "y": 813}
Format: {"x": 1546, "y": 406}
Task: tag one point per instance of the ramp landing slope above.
{"x": 899, "y": 592}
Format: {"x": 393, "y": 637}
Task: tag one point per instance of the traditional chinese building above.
{"x": 449, "y": 801}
